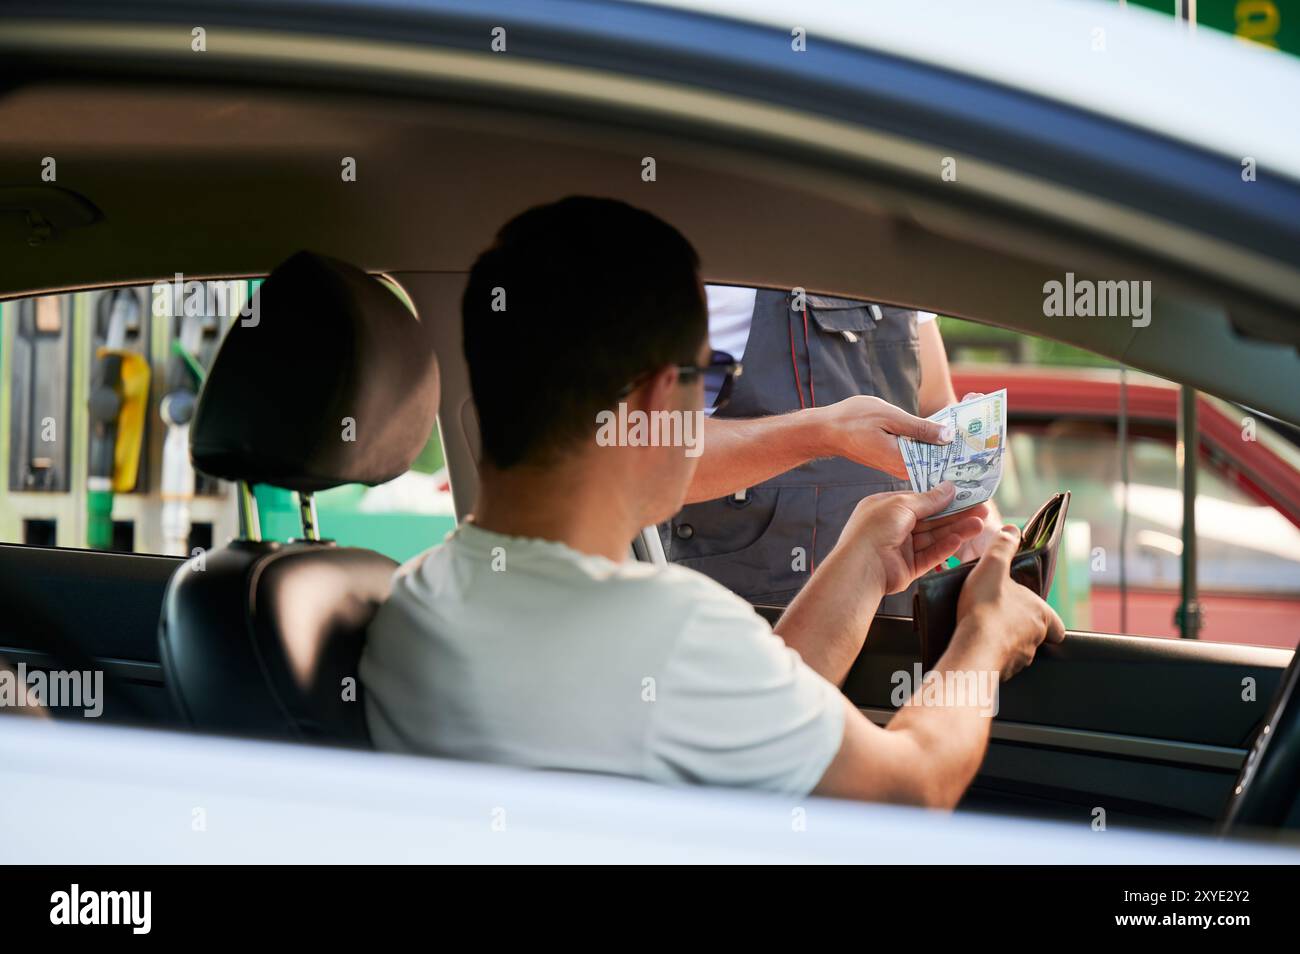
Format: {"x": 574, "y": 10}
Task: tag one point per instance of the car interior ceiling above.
{"x": 434, "y": 181}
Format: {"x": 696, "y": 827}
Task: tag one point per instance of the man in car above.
{"x": 810, "y": 429}
{"x": 530, "y": 638}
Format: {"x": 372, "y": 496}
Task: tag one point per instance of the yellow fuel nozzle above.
{"x": 132, "y": 390}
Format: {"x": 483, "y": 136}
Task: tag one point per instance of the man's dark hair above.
{"x": 595, "y": 294}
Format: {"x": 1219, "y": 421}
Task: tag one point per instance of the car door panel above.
{"x": 96, "y": 609}
{"x": 1079, "y": 729}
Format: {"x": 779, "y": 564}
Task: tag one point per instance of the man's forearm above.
{"x": 827, "y": 621}
{"x": 953, "y": 734}
{"x": 741, "y": 453}
{"x": 931, "y": 749}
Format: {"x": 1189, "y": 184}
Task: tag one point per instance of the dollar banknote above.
{"x": 973, "y": 459}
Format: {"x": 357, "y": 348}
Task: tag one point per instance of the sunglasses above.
{"x": 719, "y": 378}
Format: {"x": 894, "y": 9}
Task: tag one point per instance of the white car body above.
{"x": 97, "y": 795}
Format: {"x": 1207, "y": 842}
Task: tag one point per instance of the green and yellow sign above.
{"x": 1273, "y": 23}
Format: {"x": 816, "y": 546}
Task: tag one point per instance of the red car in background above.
{"x": 1063, "y": 433}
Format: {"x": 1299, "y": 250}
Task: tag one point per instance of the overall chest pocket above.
{"x": 860, "y": 348}
{"x": 750, "y": 547}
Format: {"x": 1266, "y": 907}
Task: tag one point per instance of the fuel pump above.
{"x": 40, "y": 384}
{"x": 118, "y": 398}
{"x": 177, "y": 409}
{"x": 37, "y": 369}
{"x": 194, "y": 342}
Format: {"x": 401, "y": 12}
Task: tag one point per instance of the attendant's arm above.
{"x": 936, "y": 378}
{"x": 741, "y": 453}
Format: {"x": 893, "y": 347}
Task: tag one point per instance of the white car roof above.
{"x": 1201, "y": 86}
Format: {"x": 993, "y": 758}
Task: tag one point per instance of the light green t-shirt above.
{"x": 527, "y": 652}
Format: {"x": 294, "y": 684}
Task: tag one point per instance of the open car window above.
{"x": 1075, "y": 422}
{"x": 96, "y": 389}
{"x": 1110, "y": 435}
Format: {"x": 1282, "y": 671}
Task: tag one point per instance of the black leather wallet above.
{"x": 934, "y": 607}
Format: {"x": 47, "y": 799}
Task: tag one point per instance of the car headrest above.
{"x": 331, "y": 380}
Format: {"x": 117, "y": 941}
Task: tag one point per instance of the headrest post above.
{"x": 250, "y": 526}
{"x": 307, "y": 513}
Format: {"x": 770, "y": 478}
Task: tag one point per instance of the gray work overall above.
{"x": 765, "y": 541}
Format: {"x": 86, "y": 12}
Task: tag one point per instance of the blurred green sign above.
{"x": 1273, "y": 23}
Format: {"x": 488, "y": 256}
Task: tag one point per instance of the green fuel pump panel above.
{"x": 1272, "y": 23}
{"x": 117, "y": 404}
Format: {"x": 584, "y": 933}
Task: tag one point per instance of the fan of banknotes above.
{"x": 973, "y": 461}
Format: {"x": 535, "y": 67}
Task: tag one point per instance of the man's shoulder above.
{"x": 665, "y": 590}
{"x": 674, "y": 597}
{"x": 695, "y": 589}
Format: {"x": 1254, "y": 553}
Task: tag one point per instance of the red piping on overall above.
{"x": 812, "y": 396}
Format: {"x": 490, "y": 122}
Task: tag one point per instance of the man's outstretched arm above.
{"x": 741, "y": 453}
